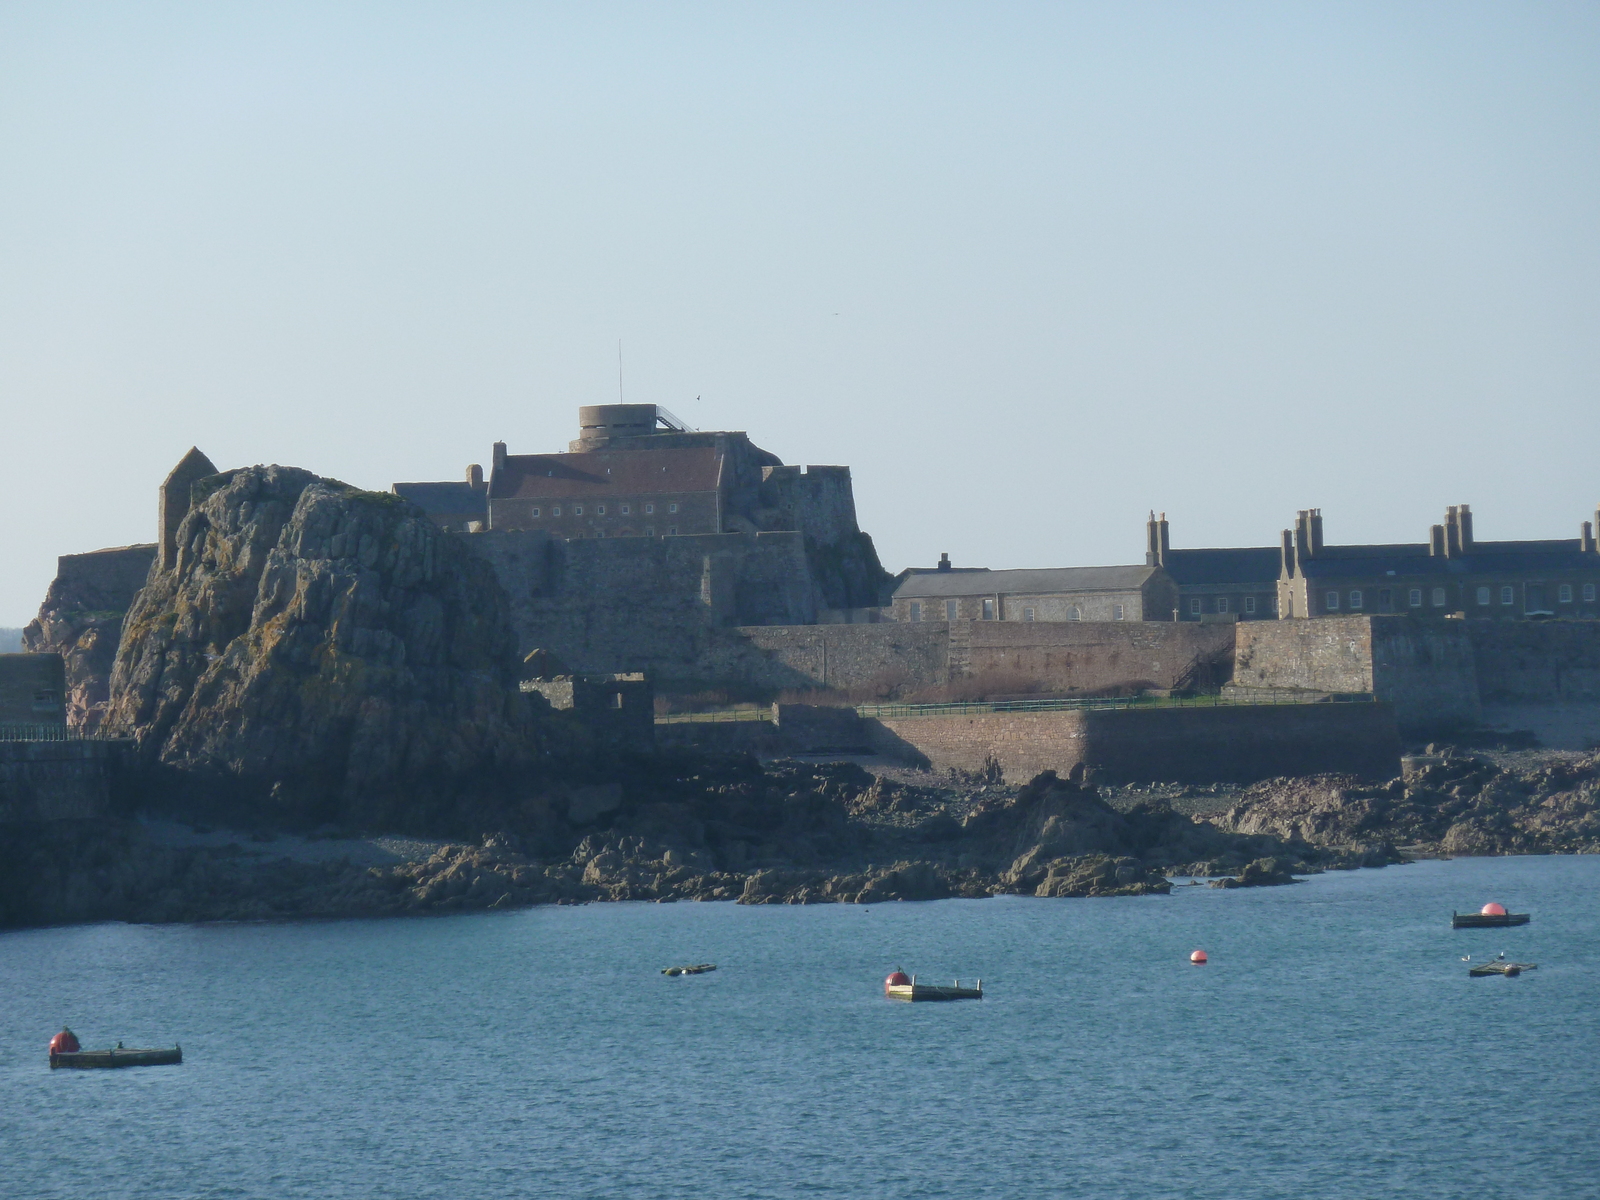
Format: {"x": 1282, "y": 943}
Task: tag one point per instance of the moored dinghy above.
{"x": 118, "y": 1057}
{"x": 901, "y": 986}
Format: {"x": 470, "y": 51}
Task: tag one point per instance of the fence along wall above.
{"x": 1229, "y": 743}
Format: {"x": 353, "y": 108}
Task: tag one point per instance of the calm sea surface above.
{"x": 1333, "y": 1047}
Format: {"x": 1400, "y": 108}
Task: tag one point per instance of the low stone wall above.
{"x": 1237, "y": 744}
{"x": 1097, "y": 656}
{"x": 57, "y": 781}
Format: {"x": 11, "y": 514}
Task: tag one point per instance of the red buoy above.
{"x": 1493, "y": 910}
{"x": 65, "y": 1042}
{"x": 898, "y": 979}
{"x": 1198, "y": 957}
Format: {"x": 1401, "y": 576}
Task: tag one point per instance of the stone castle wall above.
{"x": 56, "y": 781}
{"x": 1536, "y": 661}
{"x": 1229, "y": 743}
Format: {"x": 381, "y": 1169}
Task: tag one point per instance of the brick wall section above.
{"x": 56, "y": 781}
{"x": 1238, "y": 744}
{"x": 1333, "y": 654}
{"x": 1424, "y": 668}
{"x": 1538, "y": 661}
{"x": 1093, "y": 656}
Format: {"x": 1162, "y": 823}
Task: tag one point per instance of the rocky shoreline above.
{"x": 795, "y": 833}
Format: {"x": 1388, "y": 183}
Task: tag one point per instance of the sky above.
{"x": 1030, "y": 270}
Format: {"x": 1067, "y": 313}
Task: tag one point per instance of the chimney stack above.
{"x": 1166, "y": 540}
{"x": 1436, "y": 541}
{"x": 1452, "y": 532}
{"x": 944, "y": 562}
{"x": 1586, "y": 540}
{"x": 1464, "y": 520}
{"x": 1152, "y": 542}
{"x": 1288, "y": 554}
{"x": 499, "y": 459}
{"x": 475, "y": 475}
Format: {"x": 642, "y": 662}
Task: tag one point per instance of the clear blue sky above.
{"x": 1030, "y": 270}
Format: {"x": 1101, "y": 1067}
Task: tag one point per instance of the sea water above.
{"x": 1334, "y": 1046}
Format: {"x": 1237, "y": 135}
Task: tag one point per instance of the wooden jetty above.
{"x": 1500, "y": 966}
{"x": 1486, "y": 920}
{"x": 118, "y": 1058}
{"x": 932, "y": 991}
{"x": 696, "y": 969}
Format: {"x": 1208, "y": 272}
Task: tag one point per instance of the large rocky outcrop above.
{"x": 320, "y": 653}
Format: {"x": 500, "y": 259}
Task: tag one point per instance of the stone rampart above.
{"x": 56, "y": 781}
{"x": 1097, "y": 656}
{"x": 1228, "y": 743}
{"x": 1536, "y": 661}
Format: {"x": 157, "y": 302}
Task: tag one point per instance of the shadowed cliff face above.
{"x": 321, "y": 653}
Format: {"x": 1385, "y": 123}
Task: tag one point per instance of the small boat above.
{"x": 118, "y": 1057}
{"x": 1482, "y": 920}
{"x": 900, "y": 986}
{"x": 1500, "y": 966}
{"x": 696, "y": 969}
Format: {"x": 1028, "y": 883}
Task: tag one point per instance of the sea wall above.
{"x": 1536, "y": 661}
{"x": 1228, "y": 743}
{"x": 57, "y": 781}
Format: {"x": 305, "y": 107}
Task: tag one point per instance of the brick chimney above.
{"x": 1436, "y": 541}
{"x": 499, "y": 459}
{"x": 1288, "y": 554}
{"x": 475, "y": 475}
{"x": 1464, "y": 521}
{"x": 1452, "y": 532}
{"x": 1586, "y": 539}
{"x": 944, "y": 562}
{"x": 1316, "y": 532}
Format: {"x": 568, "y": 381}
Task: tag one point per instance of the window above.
{"x": 1438, "y": 597}
{"x": 988, "y": 608}
{"x": 1355, "y": 598}
{"x": 1385, "y": 599}
{"x": 556, "y": 511}
{"x": 1415, "y": 598}
{"x": 1588, "y": 593}
{"x": 649, "y": 508}
{"x": 577, "y": 510}
{"x": 1027, "y": 614}
{"x": 626, "y": 509}
{"x": 534, "y": 511}
{"x": 45, "y": 699}
{"x": 1507, "y": 594}
{"x": 1333, "y": 601}
{"x": 616, "y": 700}
{"x": 1195, "y": 606}
{"x": 672, "y": 508}
{"x": 1249, "y": 605}
{"x": 601, "y": 510}
{"x": 1222, "y": 604}
{"x": 1483, "y": 595}
{"x": 672, "y": 531}
{"x": 1116, "y": 612}
{"x": 649, "y": 531}
{"x": 916, "y": 610}
{"x": 1566, "y": 593}
{"x": 1076, "y": 614}
{"x": 949, "y": 610}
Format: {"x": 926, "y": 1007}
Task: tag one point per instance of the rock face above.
{"x": 1263, "y": 872}
{"x": 81, "y": 620}
{"x": 317, "y": 653}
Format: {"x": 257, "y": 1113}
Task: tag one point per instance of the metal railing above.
{"x": 716, "y": 717}
{"x": 39, "y": 733}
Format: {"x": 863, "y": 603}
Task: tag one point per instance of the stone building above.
{"x": 459, "y": 505}
{"x": 1227, "y": 583}
{"x": 32, "y": 692}
{"x": 1451, "y": 574}
{"x": 1051, "y": 594}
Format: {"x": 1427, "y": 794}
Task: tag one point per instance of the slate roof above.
{"x": 1560, "y": 556}
{"x": 1249, "y": 564}
{"x": 1048, "y": 581}
{"x": 453, "y": 500}
{"x": 602, "y": 473}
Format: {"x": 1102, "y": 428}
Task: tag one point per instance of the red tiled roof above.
{"x": 606, "y": 473}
